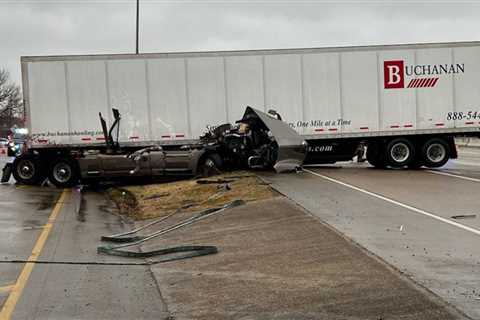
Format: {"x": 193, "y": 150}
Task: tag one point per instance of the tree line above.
{"x": 11, "y": 104}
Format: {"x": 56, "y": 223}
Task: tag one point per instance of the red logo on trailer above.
{"x": 394, "y": 74}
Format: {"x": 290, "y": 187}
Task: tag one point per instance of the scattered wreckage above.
{"x": 257, "y": 141}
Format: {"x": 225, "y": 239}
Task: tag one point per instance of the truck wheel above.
{"x": 416, "y": 163}
{"x": 63, "y": 173}
{"x": 400, "y": 152}
{"x": 375, "y": 156}
{"x": 27, "y": 169}
{"x": 210, "y": 165}
{"x": 435, "y": 153}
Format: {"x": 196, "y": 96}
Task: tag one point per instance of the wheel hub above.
{"x": 435, "y": 153}
{"x": 26, "y": 170}
{"x": 400, "y": 152}
{"x": 62, "y": 172}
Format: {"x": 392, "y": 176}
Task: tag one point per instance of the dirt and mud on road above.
{"x": 157, "y": 200}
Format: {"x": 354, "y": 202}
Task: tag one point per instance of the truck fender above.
{"x": 453, "y": 147}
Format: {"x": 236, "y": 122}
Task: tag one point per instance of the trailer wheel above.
{"x": 63, "y": 173}
{"x": 27, "y": 169}
{"x": 400, "y": 152}
{"x": 416, "y": 163}
{"x": 375, "y": 156}
{"x": 435, "y": 153}
{"x": 210, "y": 165}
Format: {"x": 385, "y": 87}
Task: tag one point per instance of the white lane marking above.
{"x": 453, "y": 175}
{"x": 406, "y": 206}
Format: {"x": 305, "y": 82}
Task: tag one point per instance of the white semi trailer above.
{"x": 404, "y": 102}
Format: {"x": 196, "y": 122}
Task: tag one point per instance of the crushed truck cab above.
{"x": 257, "y": 141}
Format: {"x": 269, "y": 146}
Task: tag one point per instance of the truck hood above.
{"x": 291, "y": 145}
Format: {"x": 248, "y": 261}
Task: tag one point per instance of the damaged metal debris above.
{"x": 464, "y": 216}
{"x": 257, "y": 141}
{"x": 130, "y": 238}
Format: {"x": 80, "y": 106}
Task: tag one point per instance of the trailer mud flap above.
{"x": 6, "y": 172}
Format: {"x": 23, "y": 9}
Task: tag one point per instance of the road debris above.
{"x": 143, "y": 202}
{"x": 214, "y": 181}
{"x": 464, "y": 216}
{"x": 168, "y": 254}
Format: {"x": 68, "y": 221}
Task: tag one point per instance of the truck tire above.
{"x": 375, "y": 156}
{"x": 210, "y": 165}
{"x": 416, "y": 163}
{"x": 400, "y": 152}
{"x": 27, "y": 169}
{"x": 435, "y": 153}
{"x": 63, "y": 173}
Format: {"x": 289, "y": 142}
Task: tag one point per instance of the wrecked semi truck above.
{"x": 405, "y": 103}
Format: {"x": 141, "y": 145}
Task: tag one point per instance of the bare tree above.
{"x": 11, "y": 103}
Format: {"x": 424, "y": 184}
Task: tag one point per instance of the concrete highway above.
{"x": 63, "y": 229}
{"x": 404, "y": 217}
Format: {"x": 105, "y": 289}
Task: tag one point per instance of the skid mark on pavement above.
{"x": 19, "y": 286}
{"x": 403, "y": 205}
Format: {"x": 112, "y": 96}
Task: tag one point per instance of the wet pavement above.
{"x": 276, "y": 261}
{"x": 79, "y": 287}
{"x": 270, "y": 259}
{"x": 440, "y": 256}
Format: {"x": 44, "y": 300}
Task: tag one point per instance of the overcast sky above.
{"x": 52, "y": 27}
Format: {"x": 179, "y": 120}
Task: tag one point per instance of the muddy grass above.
{"x": 157, "y": 200}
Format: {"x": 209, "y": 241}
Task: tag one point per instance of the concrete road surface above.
{"x": 405, "y": 217}
{"x": 59, "y": 226}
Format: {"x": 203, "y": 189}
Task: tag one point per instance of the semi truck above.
{"x": 405, "y": 103}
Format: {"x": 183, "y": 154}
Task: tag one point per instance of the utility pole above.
{"x": 138, "y": 15}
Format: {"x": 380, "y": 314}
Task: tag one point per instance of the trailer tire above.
{"x": 375, "y": 156}
{"x": 399, "y": 153}
{"x": 416, "y": 164}
{"x": 63, "y": 173}
{"x": 210, "y": 165}
{"x": 27, "y": 169}
{"x": 435, "y": 153}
